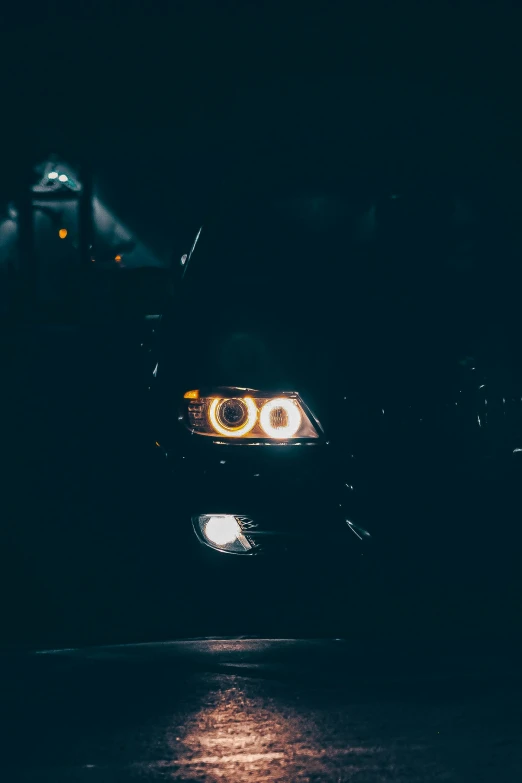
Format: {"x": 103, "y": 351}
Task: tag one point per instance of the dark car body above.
{"x": 406, "y": 353}
{"x": 409, "y": 364}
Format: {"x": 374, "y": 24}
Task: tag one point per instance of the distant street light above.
{"x": 62, "y": 233}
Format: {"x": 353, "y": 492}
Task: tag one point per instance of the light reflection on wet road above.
{"x": 261, "y": 711}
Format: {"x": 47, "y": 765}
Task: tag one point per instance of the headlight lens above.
{"x": 232, "y": 417}
{"x": 280, "y": 418}
{"x": 248, "y": 414}
{"x": 225, "y": 532}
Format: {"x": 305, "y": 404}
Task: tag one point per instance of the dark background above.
{"x": 170, "y": 100}
{"x": 169, "y": 106}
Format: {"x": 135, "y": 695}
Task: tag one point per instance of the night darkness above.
{"x": 260, "y": 273}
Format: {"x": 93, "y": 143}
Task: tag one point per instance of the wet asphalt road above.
{"x": 255, "y": 710}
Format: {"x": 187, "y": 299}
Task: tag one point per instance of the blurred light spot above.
{"x": 515, "y": 451}
{"x": 117, "y": 258}
{"x": 52, "y": 652}
{"x": 63, "y": 177}
{"x": 359, "y": 531}
{"x": 352, "y": 529}
{"x": 479, "y": 422}
{"x": 53, "y": 175}
{"x": 481, "y": 387}
{"x": 183, "y": 259}
{"x": 62, "y": 233}
{"x": 155, "y": 370}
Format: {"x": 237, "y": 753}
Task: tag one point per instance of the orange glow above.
{"x": 192, "y": 395}
{"x": 117, "y": 258}
{"x": 232, "y": 432}
{"x": 62, "y": 233}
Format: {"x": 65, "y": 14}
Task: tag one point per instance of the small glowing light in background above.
{"x": 52, "y": 175}
{"x": 183, "y": 259}
{"x": 63, "y": 177}
{"x": 117, "y": 259}
{"x": 62, "y": 233}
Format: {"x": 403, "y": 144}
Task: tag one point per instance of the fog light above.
{"x": 223, "y": 532}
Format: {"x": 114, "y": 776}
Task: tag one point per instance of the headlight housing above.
{"x": 238, "y": 414}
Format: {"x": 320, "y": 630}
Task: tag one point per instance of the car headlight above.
{"x": 226, "y": 533}
{"x": 239, "y": 414}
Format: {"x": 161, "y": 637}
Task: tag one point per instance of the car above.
{"x": 320, "y": 396}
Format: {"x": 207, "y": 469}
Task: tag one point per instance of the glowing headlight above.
{"x": 233, "y": 417}
{"x": 222, "y": 530}
{"x": 238, "y": 414}
{"x": 225, "y": 532}
{"x": 280, "y": 418}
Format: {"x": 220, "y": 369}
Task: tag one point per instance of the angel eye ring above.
{"x": 280, "y": 418}
{"x": 233, "y": 417}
